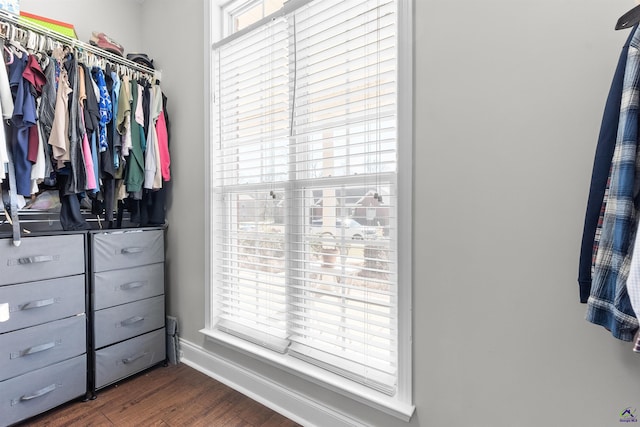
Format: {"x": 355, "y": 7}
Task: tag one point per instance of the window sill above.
{"x": 388, "y": 404}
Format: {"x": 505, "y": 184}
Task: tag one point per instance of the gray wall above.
{"x": 508, "y": 99}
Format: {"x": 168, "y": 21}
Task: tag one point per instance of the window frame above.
{"x": 230, "y": 9}
{"x": 401, "y": 404}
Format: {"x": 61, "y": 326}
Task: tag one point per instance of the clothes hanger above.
{"x": 51, "y": 44}
{"x": 21, "y": 37}
{"x": 629, "y": 19}
{"x": 42, "y": 43}
{"x": 18, "y": 49}
{"x": 81, "y": 55}
{"x": 9, "y": 57}
{"x": 32, "y": 41}
{"x": 5, "y": 30}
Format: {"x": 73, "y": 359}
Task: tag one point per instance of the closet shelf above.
{"x": 13, "y": 19}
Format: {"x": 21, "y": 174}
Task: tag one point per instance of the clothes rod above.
{"x": 75, "y": 43}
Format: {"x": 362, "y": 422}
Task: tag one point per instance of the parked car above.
{"x": 351, "y": 228}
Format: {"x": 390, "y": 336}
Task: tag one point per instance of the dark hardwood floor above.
{"x": 172, "y": 396}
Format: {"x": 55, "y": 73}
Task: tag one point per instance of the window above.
{"x": 305, "y": 189}
{"x": 241, "y": 13}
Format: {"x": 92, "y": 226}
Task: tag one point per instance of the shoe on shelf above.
{"x": 105, "y": 42}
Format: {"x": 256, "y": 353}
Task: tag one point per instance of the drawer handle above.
{"x": 134, "y": 250}
{"x": 37, "y": 394}
{"x": 132, "y": 285}
{"x": 37, "y": 304}
{"x": 132, "y": 321}
{"x": 36, "y": 259}
{"x": 134, "y": 358}
{"x": 33, "y": 350}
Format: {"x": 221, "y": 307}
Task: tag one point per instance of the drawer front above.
{"x": 39, "y": 258}
{"x": 117, "y": 287}
{"x": 38, "y": 391}
{"x": 33, "y": 348}
{"x": 40, "y": 302}
{"x": 125, "y": 321}
{"x": 127, "y": 249}
{"x": 118, "y": 361}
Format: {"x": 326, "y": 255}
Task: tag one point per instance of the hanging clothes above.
{"x": 106, "y": 152}
{"x": 24, "y": 117}
{"x": 115, "y": 100}
{"x": 36, "y": 157}
{"x": 33, "y": 74}
{"x": 78, "y": 174}
{"x": 86, "y": 130}
{"x": 91, "y": 121}
{"x": 608, "y": 304}
{"x": 124, "y": 115}
{"x": 92, "y": 184}
{"x": 163, "y": 141}
{"x": 86, "y": 149}
{"x": 6, "y": 103}
{"x": 49, "y": 92}
{"x": 46, "y": 110}
{"x": 134, "y": 178}
{"x": 36, "y": 79}
{"x": 6, "y": 98}
{"x": 59, "y": 137}
{"x": 139, "y": 114}
{"x": 152, "y": 168}
{"x": 104, "y": 102}
{"x": 600, "y": 175}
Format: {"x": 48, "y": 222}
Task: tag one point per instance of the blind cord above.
{"x": 295, "y": 76}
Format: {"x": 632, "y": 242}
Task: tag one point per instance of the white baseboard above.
{"x": 277, "y": 397}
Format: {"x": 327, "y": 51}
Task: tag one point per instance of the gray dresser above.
{"x": 43, "y": 344}
{"x": 127, "y": 303}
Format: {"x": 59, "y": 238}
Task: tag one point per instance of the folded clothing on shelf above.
{"x": 105, "y": 42}
{"x": 141, "y": 58}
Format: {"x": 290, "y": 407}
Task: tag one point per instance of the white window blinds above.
{"x": 253, "y": 122}
{"x": 305, "y": 256}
